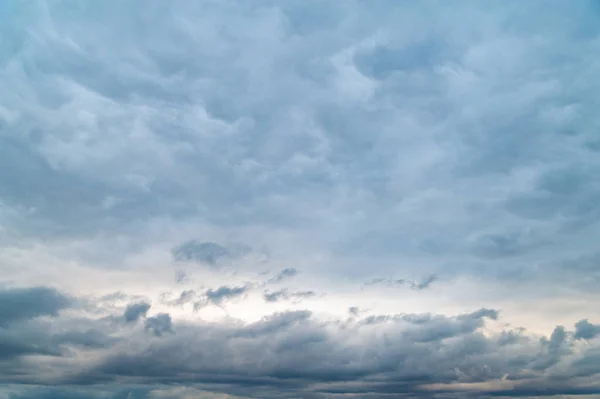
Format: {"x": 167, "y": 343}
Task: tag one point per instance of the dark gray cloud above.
{"x": 553, "y": 349}
{"x": 291, "y": 352}
{"x": 89, "y": 338}
{"x": 294, "y": 352}
{"x": 34, "y": 326}
{"x": 135, "y": 311}
{"x": 18, "y": 304}
{"x": 430, "y": 328}
{"x": 224, "y": 292}
{"x": 54, "y": 338}
{"x": 14, "y": 345}
{"x": 159, "y": 324}
{"x": 276, "y": 295}
{"x": 217, "y": 296}
{"x": 586, "y": 330}
{"x": 79, "y": 393}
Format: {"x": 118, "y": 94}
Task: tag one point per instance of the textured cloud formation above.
{"x": 286, "y": 295}
{"x": 18, "y": 304}
{"x": 299, "y": 199}
{"x": 135, "y": 311}
{"x": 282, "y": 275}
{"x": 294, "y": 353}
{"x": 218, "y": 295}
{"x": 159, "y": 324}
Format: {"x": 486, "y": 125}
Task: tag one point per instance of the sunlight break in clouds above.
{"x": 299, "y": 199}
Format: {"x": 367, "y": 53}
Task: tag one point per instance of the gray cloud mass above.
{"x": 420, "y": 354}
{"x": 18, "y": 304}
{"x": 135, "y": 311}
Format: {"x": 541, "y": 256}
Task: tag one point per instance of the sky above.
{"x": 299, "y": 199}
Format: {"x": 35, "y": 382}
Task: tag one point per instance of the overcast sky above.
{"x": 281, "y": 199}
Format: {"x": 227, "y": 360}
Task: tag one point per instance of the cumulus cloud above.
{"x": 18, "y": 304}
{"x": 586, "y": 330}
{"x": 159, "y": 324}
{"x": 135, "y": 311}
{"x": 421, "y": 354}
{"x": 32, "y": 326}
{"x": 296, "y": 351}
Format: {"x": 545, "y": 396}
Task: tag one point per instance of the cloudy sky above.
{"x": 345, "y": 199}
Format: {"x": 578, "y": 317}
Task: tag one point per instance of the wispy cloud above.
{"x": 415, "y": 285}
{"x": 283, "y": 275}
{"x": 276, "y": 296}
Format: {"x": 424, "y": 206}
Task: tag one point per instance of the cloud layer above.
{"x": 291, "y": 354}
{"x": 228, "y": 199}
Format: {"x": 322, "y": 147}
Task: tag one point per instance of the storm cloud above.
{"x": 294, "y": 351}
{"x": 18, "y": 304}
